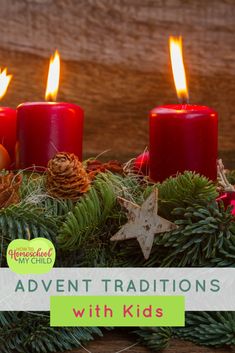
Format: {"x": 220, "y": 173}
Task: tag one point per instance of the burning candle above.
{"x": 44, "y": 128}
{"x": 7, "y": 118}
{"x": 182, "y": 136}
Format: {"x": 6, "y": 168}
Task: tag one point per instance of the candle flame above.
{"x": 53, "y": 77}
{"x": 177, "y": 63}
{"x": 4, "y": 82}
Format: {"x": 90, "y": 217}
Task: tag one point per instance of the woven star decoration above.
{"x": 143, "y": 223}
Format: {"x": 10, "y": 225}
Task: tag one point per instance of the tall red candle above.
{"x": 7, "y": 118}
{"x": 8, "y": 130}
{"x": 46, "y": 128}
{"x": 183, "y": 137}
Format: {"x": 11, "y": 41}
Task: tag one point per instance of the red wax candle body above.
{"x": 8, "y": 130}
{"x": 43, "y": 129}
{"x": 183, "y": 137}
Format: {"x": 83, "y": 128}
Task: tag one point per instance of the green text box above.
{"x": 117, "y": 311}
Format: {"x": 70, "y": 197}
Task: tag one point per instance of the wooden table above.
{"x": 115, "y": 341}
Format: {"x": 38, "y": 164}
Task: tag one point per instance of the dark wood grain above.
{"x": 114, "y": 342}
{"x": 116, "y": 62}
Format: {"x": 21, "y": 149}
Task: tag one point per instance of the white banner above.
{"x": 210, "y": 289}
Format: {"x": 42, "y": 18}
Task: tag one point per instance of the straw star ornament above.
{"x": 143, "y": 223}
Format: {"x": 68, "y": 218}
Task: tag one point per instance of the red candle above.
{"x": 182, "y": 136}
{"x": 45, "y": 128}
{"x": 7, "y": 118}
{"x": 8, "y": 130}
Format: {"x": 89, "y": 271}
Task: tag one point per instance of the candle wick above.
{"x": 184, "y": 100}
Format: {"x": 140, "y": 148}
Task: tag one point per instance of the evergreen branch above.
{"x": 97, "y": 216}
{"x": 55, "y": 207}
{"x": 202, "y": 235}
{"x": 31, "y": 333}
{"x": 16, "y": 220}
{"x": 88, "y": 216}
{"x": 156, "y": 338}
{"x": 183, "y": 191}
{"x": 209, "y": 328}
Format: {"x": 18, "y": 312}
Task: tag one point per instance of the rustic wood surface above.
{"x": 114, "y": 342}
{"x": 116, "y": 61}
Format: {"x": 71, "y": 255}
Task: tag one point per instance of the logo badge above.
{"x": 34, "y": 256}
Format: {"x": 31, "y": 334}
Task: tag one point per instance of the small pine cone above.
{"x": 66, "y": 177}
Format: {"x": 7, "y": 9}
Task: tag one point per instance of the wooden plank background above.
{"x": 116, "y": 61}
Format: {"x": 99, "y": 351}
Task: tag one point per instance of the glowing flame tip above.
{"x": 4, "y": 82}
{"x": 53, "y": 77}
{"x": 177, "y": 63}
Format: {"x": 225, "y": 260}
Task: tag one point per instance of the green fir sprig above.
{"x": 81, "y": 233}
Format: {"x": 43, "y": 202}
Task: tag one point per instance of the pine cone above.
{"x": 66, "y": 177}
{"x": 9, "y": 189}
